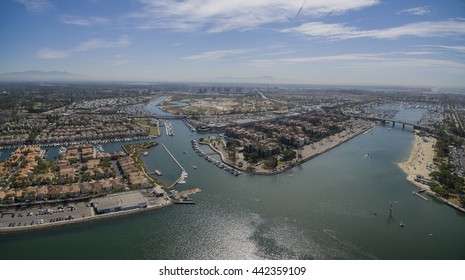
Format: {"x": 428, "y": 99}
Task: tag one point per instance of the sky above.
{"x": 321, "y": 42}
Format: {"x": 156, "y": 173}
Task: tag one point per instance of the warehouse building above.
{"x": 119, "y": 202}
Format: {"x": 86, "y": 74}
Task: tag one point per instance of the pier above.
{"x": 182, "y": 178}
{"x": 418, "y": 193}
{"x": 175, "y": 160}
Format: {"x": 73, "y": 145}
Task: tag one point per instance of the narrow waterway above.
{"x": 323, "y": 209}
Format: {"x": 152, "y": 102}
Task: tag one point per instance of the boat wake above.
{"x": 347, "y": 246}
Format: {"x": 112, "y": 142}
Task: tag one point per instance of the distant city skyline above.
{"x": 332, "y": 42}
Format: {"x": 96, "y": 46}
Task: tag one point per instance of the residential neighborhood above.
{"x": 81, "y": 171}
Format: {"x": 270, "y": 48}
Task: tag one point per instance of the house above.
{"x": 19, "y": 195}
{"x": 64, "y": 192}
{"x": 54, "y": 192}
{"x": 106, "y": 185}
{"x": 74, "y": 190}
{"x": 91, "y": 164}
{"x": 116, "y": 184}
{"x": 85, "y": 188}
{"x": 67, "y": 172}
{"x": 31, "y": 194}
{"x": 96, "y": 187}
{"x": 42, "y": 192}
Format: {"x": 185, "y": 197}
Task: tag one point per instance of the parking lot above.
{"x": 35, "y": 216}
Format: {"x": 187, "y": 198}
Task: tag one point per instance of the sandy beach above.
{"x": 326, "y": 144}
{"x": 420, "y": 160}
{"x": 308, "y": 152}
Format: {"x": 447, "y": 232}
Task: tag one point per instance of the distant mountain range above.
{"x": 35, "y": 75}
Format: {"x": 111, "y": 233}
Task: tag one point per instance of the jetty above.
{"x": 175, "y": 160}
{"x": 187, "y": 192}
{"x": 182, "y": 178}
{"x": 419, "y": 194}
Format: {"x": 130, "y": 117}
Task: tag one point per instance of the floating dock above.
{"x": 169, "y": 129}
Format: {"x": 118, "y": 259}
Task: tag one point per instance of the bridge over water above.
{"x": 403, "y": 123}
{"x": 386, "y": 121}
{"x": 168, "y": 117}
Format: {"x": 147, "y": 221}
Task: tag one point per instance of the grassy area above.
{"x": 146, "y": 124}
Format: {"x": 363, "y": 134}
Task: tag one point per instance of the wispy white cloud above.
{"x": 99, "y": 44}
{"x": 84, "y": 21}
{"x": 46, "y": 53}
{"x": 417, "y": 11}
{"x": 390, "y": 59}
{"x": 451, "y": 48}
{"x": 419, "y": 29}
{"x": 226, "y": 15}
{"x": 36, "y": 6}
{"x": 215, "y": 55}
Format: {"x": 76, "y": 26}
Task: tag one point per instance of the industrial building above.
{"x": 119, "y": 202}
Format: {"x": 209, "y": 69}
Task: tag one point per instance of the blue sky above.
{"x": 331, "y": 42}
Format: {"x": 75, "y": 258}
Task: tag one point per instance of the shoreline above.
{"x": 45, "y": 226}
{"x": 304, "y": 159}
{"x": 419, "y": 162}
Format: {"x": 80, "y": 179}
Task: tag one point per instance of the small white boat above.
{"x": 146, "y": 153}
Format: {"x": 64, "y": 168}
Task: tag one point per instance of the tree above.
{"x": 271, "y": 162}
{"x": 439, "y": 190}
{"x": 288, "y": 155}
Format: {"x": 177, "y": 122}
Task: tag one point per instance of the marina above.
{"x": 246, "y": 217}
{"x": 217, "y": 163}
{"x": 169, "y": 128}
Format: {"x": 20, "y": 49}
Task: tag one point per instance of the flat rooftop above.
{"x": 119, "y": 200}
